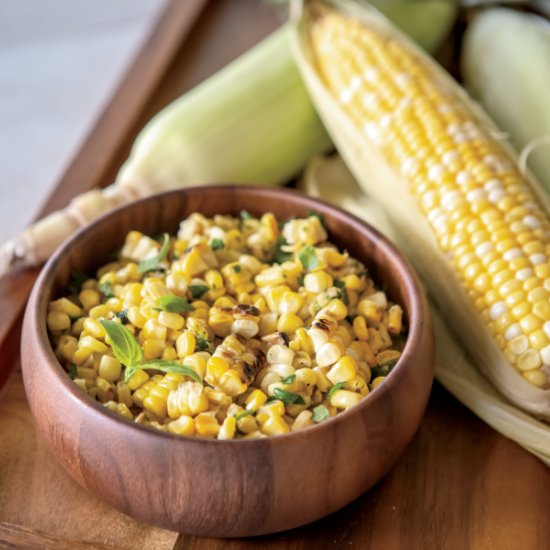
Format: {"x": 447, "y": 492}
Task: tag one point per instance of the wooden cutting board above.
{"x": 459, "y": 484}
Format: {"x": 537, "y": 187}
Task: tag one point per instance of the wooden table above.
{"x": 459, "y": 484}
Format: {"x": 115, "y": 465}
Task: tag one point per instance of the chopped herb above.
{"x": 73, "y": 372}
{"x": 203, "y": 344}
{"x": 301, "y": 280}
{"x": 288, "y": 379}
{"x": 197, "y": 291}
{"x": 77, "y": 280}
{"x": 313, "y": 214}
{"x": 153, "y": 263}
{"x": 382, "y": 370}
{"x": 240, "y": 415}
{"x": 334, "y": 389}
{"x": 170, "y": 366}
{"x": 288, "y": 398}
{"x": 237, "y": 268}
{"x": 123, "y": 316}
{"x": 279, "y": 255}
{"x": 308, "y": 258}
{"x": 246, "y": 215}
{"x": 342, "y": 292}
{"x": 106, "y": 289}
{"x": 338, "y": 283}
{"x": 174, "y": 304}
{"x": 320, "y": 413}
{"x": 217, "y": 244}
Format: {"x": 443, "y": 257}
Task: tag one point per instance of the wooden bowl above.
{"x": 239, "y": 487}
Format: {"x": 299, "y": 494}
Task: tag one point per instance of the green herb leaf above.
{"x": 123, "y": 316}
{"x": 301, "y": 280}
{"x": 382, "y": 370}
{"x": 243, "y": 414}
{"x": 338, "y": 283}
{"x": 308, "y": 258}
{"x": 342, "y": 292}
{"x": 167, "y": 366}
{"x": 203, "y": 344}
{"x": 106, "y": 289}
{"x": 73, "y": 372}
{"x": 152, "y": 263}
{"x": 217, "y": 244}
{"x": 288, "y": 379}
{"x": 174, "y": 304}
{"x": 334, "y": 389}
{"x": 77, "y": 280}
{"x": 313, "y": 214}
{"x": 288, "y": 398}
{"x": 125, "y": 347}
{"x": 197, "y": 291}
{"x": 246, "y": 215}
{"x": 279, "y": 256}
{"x": 320, "y": 413}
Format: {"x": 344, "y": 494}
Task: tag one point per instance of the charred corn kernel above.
{"x": 58, "y": 321}
{"x": 255, "y": 400}
{"x": 228, "y": 428}
{"x": 318, "y": 281}
{"x": 64, "y": 305}
{"x": 231, "y": 384}
{"x": 328, "y": 354}
{"x": 280, "y": 354}
{"x": 138, "y": 379}
{"x": 275, "y": 425}
{"x": 99, "y": 311}
{"x": 184, "y": 425}
{"x": 110, "y": 368}
{"x": 395, "y": 319}
{"x": 343, "y": 371}
{"x": 289, "y": 323}
{"x": 89, "y": 298}
{"x": 303, "y": 420}
{"x": 206, "y": 425}
{"x": 172, "y": 321}
{"x": 123, "y": 394}
{"x": 344, "y": 399}
{"x": 369, "y": 310}
{"x": 245, "y": 328}
{"x": 185, "y": 344}
{"x": 216, "y": 367}
{"x": 377, "y": 381}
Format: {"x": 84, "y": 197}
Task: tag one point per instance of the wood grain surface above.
{"x": 459, "y": 484}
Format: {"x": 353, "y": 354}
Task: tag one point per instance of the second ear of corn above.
{"x": 480, "y": 229}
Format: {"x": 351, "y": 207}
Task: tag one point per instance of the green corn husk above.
{"x": 330, "y": 179}
{"x": 506, "y": 65}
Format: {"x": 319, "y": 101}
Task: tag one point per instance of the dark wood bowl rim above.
{"x": 412, "y": 288}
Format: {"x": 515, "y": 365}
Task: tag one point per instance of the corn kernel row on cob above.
{"x": 277, "y": 328}
{"x": 480, "y": 229}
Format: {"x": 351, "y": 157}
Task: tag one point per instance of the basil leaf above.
{"x": 313, "y": 214}
{"x": 167, "y": 366}
{"x": 288, "y": 379}
{"x": 320, "y": 413}
{"x": 73, "y": 372}
{"x": 77, "y": 280}
{"x": 152, "y": 263}
{"x": 334, "y": 389}
{"x": 382, "y": 370}
{"x": 279, "y": 256}
{"x": 123, "y": 316}
{"x": 308, "y": 258}
{"x": 243, "y": 414}
{"x": 125, "y": 347}
{"x": 197, "y": 291}
{"x": 217, "y": 244}
{"x": 174, "y": 304}
{"x": 288, "y": 398}
{"x": 106, "y": 289}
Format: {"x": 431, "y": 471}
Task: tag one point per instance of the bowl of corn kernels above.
{"x": 226, "y": 360}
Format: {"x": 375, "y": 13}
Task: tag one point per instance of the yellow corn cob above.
{"x": 481, "y": 227}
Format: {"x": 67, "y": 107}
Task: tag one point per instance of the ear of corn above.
{"x": 331, "y": 180}
{"x": 512, "y": 79}
{"x": 480, "y": 229}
